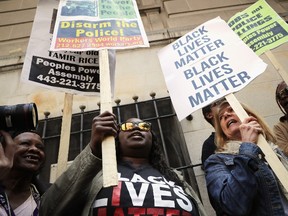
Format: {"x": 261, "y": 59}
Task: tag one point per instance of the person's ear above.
{"x": 209, "y": 115}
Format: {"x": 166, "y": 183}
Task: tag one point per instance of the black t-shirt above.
{"x": 143, "y": 191}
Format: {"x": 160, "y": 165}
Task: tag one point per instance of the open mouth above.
{"x": 32, "y": 158}
{"x": 230, "y": 122}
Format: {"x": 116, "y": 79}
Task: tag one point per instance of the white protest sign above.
{"x": 66, "y": 71}
{"x": 100, "y": 25}
{"x": 206, "y": 64}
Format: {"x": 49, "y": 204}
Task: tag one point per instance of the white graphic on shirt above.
{"x": 163, "y": 193}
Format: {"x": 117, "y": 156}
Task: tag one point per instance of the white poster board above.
{"x": 66, "y": 71}
{"x": 206, "y": 64}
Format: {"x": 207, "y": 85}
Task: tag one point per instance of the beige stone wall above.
{"x": 138, "y": 71}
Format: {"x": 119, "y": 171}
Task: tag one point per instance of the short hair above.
{"x": 18, "y": 132}
{"x": 206, "y": 110}
{"x": 282, "y": 118}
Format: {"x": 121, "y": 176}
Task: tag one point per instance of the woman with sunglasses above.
{"x": 146, "y": 185}
{"x": 238, "y": 178}
{"x": 281, "y": 128}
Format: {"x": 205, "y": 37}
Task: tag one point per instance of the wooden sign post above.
{"x": 65, "y": 135}
{"x": 277, "y": 66}
{"x": 270, "y": 156}
{"x": 110, "y": 174}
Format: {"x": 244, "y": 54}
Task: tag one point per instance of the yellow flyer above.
{"x": 260, "y": 27}
{"x": 98, "y": 24}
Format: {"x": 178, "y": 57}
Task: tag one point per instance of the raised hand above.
{"x": 103, "y": 125}
{"x": 7, "y": 150}
{"x": 250, "y": 130}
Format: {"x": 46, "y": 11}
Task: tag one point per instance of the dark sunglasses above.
{"x": 283, "y": 93}
{"x": 128, "y": 126}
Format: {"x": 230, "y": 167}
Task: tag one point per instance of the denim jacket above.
{"x": 242, "y": 183}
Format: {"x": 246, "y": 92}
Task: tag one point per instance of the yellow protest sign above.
{"x": 260, "y": 27}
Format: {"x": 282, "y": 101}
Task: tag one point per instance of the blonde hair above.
{"x": 222, "y": 139}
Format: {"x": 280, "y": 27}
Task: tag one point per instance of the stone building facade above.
{"x": 138, "y": 71}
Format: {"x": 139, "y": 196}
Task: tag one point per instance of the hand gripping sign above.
{"x": 101, "y": 25}
{"x": 208, "y": 63}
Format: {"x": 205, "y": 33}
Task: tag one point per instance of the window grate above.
{"x": 159, "y": 112}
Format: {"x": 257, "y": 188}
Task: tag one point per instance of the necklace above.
{"x": 34, "y": 195}
{"x": 8, "y": 206}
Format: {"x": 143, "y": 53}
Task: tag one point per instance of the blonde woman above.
{"x": 239, "y": 181}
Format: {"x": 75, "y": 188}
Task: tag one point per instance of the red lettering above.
{"x": 118, "y": 212}
{"x": 155, "y": 211}
{"x": 116, "y": 195}
{"x": 102, "y": 211}
{"x": 136, "y": 211}
{"x": 171, "y": 212}
{"x": 143, "y": 211}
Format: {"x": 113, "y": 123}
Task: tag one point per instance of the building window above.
{"x": 159, "y": 112}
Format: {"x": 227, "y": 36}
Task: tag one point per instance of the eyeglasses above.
{"x": 283, "y": 93}
{"x": 128, "y": 126}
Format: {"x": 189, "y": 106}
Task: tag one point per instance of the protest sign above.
{"x": 70, "y": 72}
{"x": 260, "y": 27}
{"x": 98, "y": 24}
{"x": 270, "y": 156}
{"x": 206, "y": 64}
{"x": 67, "y": 71}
